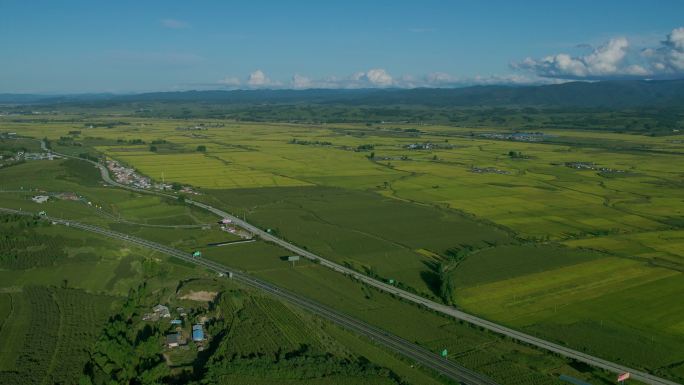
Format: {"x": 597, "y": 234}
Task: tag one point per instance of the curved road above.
{"x": 450, "y": 311}
{"x": 419, "y": 354}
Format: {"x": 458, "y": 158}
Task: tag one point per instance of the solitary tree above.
{"x": 202, "y": 148}
{"x": 446, "y": 284}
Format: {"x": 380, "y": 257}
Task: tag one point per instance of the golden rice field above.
{"x": 537, "y": 197}
{"x": 524, "y": 299}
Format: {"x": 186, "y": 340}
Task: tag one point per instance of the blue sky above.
{"x": 136, "y": 46}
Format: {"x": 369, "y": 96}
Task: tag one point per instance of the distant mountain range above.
{"x": 605, "y": 94}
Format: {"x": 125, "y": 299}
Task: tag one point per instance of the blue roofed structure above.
{"x": 197, "y": 333}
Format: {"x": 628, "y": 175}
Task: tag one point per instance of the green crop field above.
{"x": 19, "y": 183}
{"x": 52, "y": 318}
{"x": 5, "y": 307}
{"x": 53, "y": 312}
{"x": 548, "y": 236}
{"x": 57, "y": 327}
{"x": 468, "y": 346}
{"x": 361, "y": 229}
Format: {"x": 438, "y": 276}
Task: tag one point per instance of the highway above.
{"x": 447, "y": 310}
{"x": 453, "y": 312}
{"x": 418, "y": 354}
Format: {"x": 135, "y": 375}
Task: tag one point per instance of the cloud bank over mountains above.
{"x": 617, "y": 58}
{"x": 372, "y": 78}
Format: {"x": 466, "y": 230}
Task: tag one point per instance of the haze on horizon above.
{"x": 127, "y": 46}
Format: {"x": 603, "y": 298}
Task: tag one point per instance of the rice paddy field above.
{"x": 577, "y": 238}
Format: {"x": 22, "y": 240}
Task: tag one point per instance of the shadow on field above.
{"x": 431, "y": 276}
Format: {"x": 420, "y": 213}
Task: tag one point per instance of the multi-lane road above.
{"x": 412, "y": 351}
{"x": 453, "y": 312}
{"x": 432, "y": 305}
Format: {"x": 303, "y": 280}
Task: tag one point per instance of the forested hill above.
{"x": 610, "y": 94}
{"x": 606, "y": 94}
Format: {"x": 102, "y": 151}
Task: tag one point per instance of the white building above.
{"x": 40, "y": 198}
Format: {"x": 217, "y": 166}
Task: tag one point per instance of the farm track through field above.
{"x": 60, "y": 335}
{"x": 121, "y": 220}
{"x": 9, "y": 315}
{"x": 410, "y": 350}
{"x": 611, "y": 206}
{"x": 416, "y": 299}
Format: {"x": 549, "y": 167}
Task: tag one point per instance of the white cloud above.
{"x": 675, "y": 40}
{"x": 258, "y": 79}
{"x": 301, "y": 82}
{"x": 605, "y": 60}
{"x": 668, "y": 58}
{"x": 357, "y": 76}
{"x": 440, "y": 79}
{"x": 373, "y": 78}
{"x": 379, "y": 77}
{"x": 614, "y": 59}
{"x": 230, "y": 81}
{"x": 637, "y": 70}
{"x": 174, "y": 24}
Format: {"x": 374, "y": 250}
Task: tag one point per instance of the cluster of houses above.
{"x": 65, "y": 196}
{"x": 37, "y": 156}
{"x": 177, "y": 336}
{"x": 198, "y": 127}
{"x": 489, "y": 170}
{"x": 227, "y": 225}
{"x": 581, "y": 165}
{"x": 188, "y": 190}
{"x": 128, "y": 176}
{"x": 8, "y": 159}
{"x": 428, "y": 146}
{"x": 516, "y": 136}
{"x": 22, "y": 156}
{"x": 591, "y": 166}
{"x": 402, "y": 157}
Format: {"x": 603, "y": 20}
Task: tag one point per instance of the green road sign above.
{"x": 391, "y": 282}
{"x": 197, "y": 254}
{"x": 444, "y": 353}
